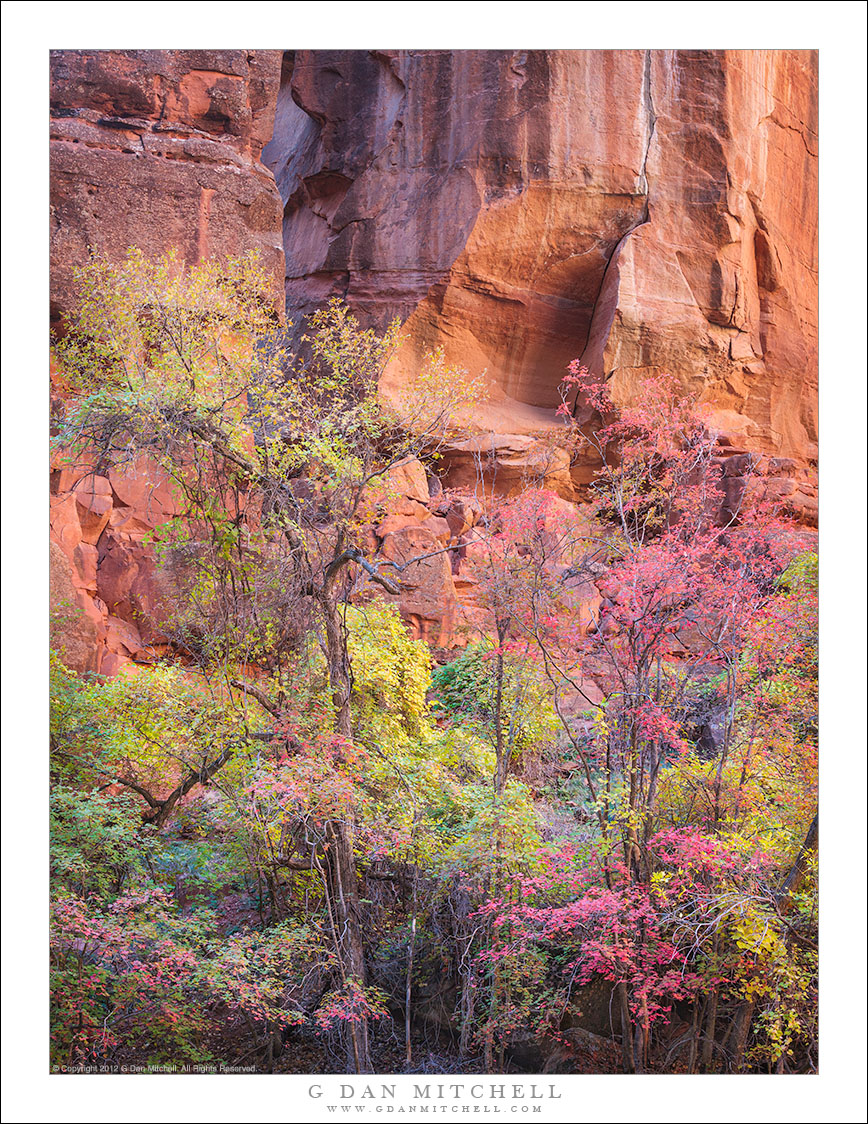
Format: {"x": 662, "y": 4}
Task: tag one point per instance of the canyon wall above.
{"x": 642, "y": 210}
{"x": 154, "y": 149}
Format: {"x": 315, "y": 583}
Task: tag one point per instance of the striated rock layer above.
{"x": 157, "y": 149}
{"x": 645, "y": 210}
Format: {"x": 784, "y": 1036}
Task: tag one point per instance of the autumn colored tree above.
{"x": 297, "y": 822}
{"x": 277, "y": 461}
{"x": 691, "y": 583}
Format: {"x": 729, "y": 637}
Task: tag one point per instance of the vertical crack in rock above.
{"x": 606, "y": 303}
{"x": 651, "y": 117}
{"x": 487, "y": 199}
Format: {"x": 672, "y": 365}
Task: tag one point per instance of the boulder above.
{"x": 408, "y": 478}
{"x": 124, "y": 638}
{"x": 64, "y": 522}
{"x": 93, "y": 501}
{"x": 73, "y": 631}
{"x": 142, "y": 493}
{"x": 135, "y": 588}
{"x": 439, "y": 528}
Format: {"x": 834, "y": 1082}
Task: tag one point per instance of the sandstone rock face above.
{"x": 449, "y": 187}
{"x": 75, "y": 633}
{"x": 427, "y": 598}
{"x": 642, "y": 210}
{"x": 720, "y": 286}
{"x": 406, "y": 524}
{"x": 157, "y": 149}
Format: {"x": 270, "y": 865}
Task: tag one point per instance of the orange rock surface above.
{"x": 642, "y": 210}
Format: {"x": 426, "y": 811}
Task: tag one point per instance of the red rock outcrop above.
{"x": 106, "y": 586}
{"x": 644, "y": 210}
{"x": 720, "y": 286}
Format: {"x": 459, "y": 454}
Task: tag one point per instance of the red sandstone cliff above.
{"x": 644, "y": 210}
{"x": 161, "y": 148}
{"x": 151, "y": 149}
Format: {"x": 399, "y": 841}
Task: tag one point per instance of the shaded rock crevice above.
{"x": 652, "y": 121}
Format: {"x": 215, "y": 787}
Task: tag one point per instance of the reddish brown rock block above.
{"x": 507, "y": 463}
{"x": 74, "y": 632}
{"x": 142, "y": 492}
{"x": 134, "y": 587}
{"x": 93, "y": 502}
{"x": 401, "y": 490}
{"x": 113, "y": 664}
{"x": 396, "y": 522}
{"x": 439, "y": 528}
{"x": 460, "y": 513}
{"x": 85, "y": 558}
{"x": 124, "y": 638}
{"x": 409, "y": 479}
{"x": 427, "y": 600}
{"x": 64, "y": 522}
